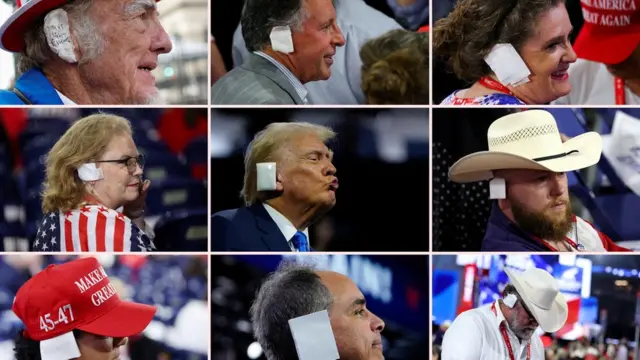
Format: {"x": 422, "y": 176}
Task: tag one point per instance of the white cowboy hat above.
{"x": 528, "y": 140}
{"x": 539, "y": 291}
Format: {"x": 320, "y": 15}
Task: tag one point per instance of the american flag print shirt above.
{"x": 92, "y": 228}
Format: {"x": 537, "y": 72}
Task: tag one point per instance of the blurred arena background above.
{"x": 177, "y": 285}
{"x": 604, "y": 194}
{"x": 602, "y": 293}
{"x": 174, "y": 142}
{"x": 396, "y": 289}
{"x": 382, "y": 161}
{"x": 182, "y": 76}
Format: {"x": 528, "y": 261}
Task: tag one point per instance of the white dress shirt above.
{"x": 475, "y": 335}
{"x": 286, "y": 227}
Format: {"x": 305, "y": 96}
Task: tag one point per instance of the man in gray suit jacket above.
{"x": 276, "y": 71}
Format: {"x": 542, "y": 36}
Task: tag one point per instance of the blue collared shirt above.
{"x": 300, "y": 89}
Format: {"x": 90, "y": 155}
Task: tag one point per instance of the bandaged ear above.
{"x": 89, "y": 172}
{"x": 510, "y": 301}
{"x": 281, "y": 39}
{"x": 266, "y": 176}
{"x": 56, "y": 30}
{"x": 507, "y": 64}
{"x": 497, "y": 188}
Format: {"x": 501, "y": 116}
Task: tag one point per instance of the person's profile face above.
{"x": 315, "y": 46}
{"x": 133, "y": 39}
{"x": 121, "y": 180}
{"x": 548, "y": 54}
{"x": 356, "y": 329}
{"x": 307, "y": 172}
{"x": 96, "y": 347}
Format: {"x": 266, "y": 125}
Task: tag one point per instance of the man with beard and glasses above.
{"x": 504, "y": 329}
{"x": 527, "y": 164}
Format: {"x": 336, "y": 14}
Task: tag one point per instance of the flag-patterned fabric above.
{"x": 92, "y": 228}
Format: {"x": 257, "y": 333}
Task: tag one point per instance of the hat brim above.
{"x": 123, "y": 320}
{"x": 480, "y": 166}
{"x": 550, "y": 320}
{"x": 605, "y": 48}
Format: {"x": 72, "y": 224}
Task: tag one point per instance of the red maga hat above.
{"x": 77, "y": 295}
{"x": 611, "y": 30}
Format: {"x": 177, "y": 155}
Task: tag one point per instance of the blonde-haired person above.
{"x": 94, "y": 194}
{"x": 395, "y": 68}
{"x": 302, "y": 189}
{"x": 539, "y": 32}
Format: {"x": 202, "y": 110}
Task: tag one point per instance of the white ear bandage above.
{"x": 89, "y": 172}
{"x": 510, "y": 301}
{"x": 56, "y": 30}
{"x": 497, "y": 189}
{"x": 507, "y": 64}
{"x": 281, "y": 39}
{"x": 266, "y": 176}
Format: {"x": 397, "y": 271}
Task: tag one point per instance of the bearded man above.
{"x": 527, "y": 163}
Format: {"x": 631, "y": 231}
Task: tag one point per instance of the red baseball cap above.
{"x": 77, "y": 295}
{"x": 611, "y": 30}
{"x": 13, "y": 30}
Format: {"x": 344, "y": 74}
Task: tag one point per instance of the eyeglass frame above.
{"x": 127, "y": 159}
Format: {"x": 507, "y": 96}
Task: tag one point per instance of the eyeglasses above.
{"x": 129, "y": 161}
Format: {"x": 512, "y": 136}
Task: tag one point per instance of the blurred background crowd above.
{"x": 174, "y": 142}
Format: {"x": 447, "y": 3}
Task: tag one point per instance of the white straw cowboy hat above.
{"x": 539, "y": 291}
{"x": 528, "y": 140}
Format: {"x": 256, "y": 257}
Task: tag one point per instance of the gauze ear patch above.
{"x": 266, "y": 176}
{"x": 497, "y": 188}
{"x": 89, "y": 172}
{"x": 56, "y": 30}
{"x": 507, "y": 64}
{"x": 510, "y": 301}
{"x": 281, "y": 39}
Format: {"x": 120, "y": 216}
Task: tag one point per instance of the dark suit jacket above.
{"x": 246, "y": 229}
{"x": 256, "y": 82}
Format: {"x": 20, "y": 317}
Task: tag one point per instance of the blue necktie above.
{"x": 299, "y": 241}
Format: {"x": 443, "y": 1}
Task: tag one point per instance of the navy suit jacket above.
{"x": 246, "y": 229}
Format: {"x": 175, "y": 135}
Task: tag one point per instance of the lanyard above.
{"x": 619, "y": 86}
{"x": 494, "y": 85}
{"x": 505, "y": 337}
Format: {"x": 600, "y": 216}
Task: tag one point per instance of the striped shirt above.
{"x": 300, "y": 89}
{"x": 92, "y": 228}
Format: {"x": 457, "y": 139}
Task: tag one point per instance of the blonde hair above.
{"x": 265, "y": 146}
{"x": 85, "y": 141}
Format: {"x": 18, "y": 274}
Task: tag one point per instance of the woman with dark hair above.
{"x": 73, "y": 311}
{"x": 538, "y": 31}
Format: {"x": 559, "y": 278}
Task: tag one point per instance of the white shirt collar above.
{"x": 286, "y": 227}
{"x": 65, "y": 100}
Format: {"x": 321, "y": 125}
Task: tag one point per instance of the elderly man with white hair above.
{"x": 84, "y": 52}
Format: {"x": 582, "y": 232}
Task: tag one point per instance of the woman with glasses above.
{"x": 94, "y": 193}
